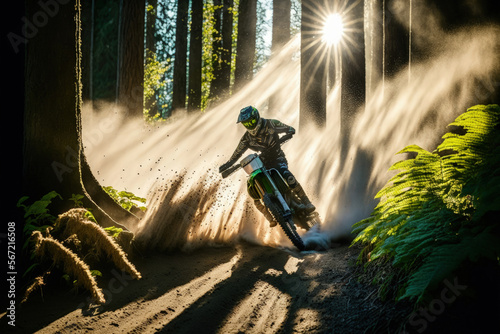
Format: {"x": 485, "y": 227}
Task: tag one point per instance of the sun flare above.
{"x": 333, "y": 29}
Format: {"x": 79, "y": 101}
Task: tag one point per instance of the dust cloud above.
{"x": 174, "y": 164}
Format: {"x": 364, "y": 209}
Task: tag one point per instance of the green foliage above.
{"x": 55, "y": 243}
{"x": 113, "y": 231}
{"x": 77, "y": 200}
{"x": 440, "y": 211}
{"x": 74, "y": 282}
{"x": 37, "y": 216}
{"x": 209, "y": 57}
{"x": 96, "y": 273}
{"x": 126, "y": 199}
{"x": 154, "y": 81}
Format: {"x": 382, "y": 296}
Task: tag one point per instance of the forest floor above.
{"x": 243, "y": 288}
{"x": 239, "y": 289}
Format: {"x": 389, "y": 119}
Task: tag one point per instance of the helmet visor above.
{"x": 250, "y": 124}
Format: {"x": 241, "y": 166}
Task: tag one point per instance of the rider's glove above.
{"x": 225, "y": 166}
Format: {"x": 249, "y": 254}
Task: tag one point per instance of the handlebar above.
{"x": 286, "y": 138}
{"x": 230, "y": 170}
{"x": 234, "y": 168}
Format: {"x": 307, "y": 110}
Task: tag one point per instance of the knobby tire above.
{"x": 287, "y": 226}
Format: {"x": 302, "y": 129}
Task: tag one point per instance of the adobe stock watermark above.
{"x": 292, "y": 282}
{"x": 116, "y": 285}
{"x": 420, "y": 319}
{"x": 31, "y": 26}
{"x": 92, "y": 137}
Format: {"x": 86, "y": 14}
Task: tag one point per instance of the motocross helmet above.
{"x": 249, "y": 117}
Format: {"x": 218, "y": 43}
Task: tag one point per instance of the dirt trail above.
{"x": 239, "y": 289}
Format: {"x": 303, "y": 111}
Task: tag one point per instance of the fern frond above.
{"x": 444, "y": 260}
{"x": 74, "y": 222}
{"x": 441, "y": 208}
{"x": 50, "y": 248}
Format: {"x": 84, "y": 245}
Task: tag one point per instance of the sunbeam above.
{"x": 174, "y": 164}
{"x": 333, "y": 29}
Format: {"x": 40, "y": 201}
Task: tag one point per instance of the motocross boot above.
{"x": 306, "y": 204}
{"x": 262, "y": 208}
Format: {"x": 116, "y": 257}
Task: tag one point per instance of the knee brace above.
{"x": 290, "y": 179}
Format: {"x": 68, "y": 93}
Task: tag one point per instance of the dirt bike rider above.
{"x": 263, "y": 135}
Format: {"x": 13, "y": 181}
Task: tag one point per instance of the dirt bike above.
{"x": 269, "y": 186}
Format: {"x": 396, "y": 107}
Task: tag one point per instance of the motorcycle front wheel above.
{"x": 286, "y": 224}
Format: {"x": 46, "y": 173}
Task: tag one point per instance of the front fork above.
{"x": 286, "y": 209}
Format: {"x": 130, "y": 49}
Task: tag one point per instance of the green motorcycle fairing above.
{"x": 258, "y": 184}
{"x": 279, "y": 181}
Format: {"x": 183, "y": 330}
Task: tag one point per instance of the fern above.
{"x": 445, "y": 259}
{"x": 441, "y": 208}
{"x": 127, "y": 200}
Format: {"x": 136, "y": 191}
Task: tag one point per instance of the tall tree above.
{"x": 459, "y": 13}
{"x": 179, "y": 84}
{"x": 53, "y": 152}
{"x": 312, "y": 66}
{"x": 151, "y": 9}
{"x": 87, "y": 48}
{"x": 222, "y": 49}
{"x": 195, "y": 56}
{"x": 227, "y": 45}
{"x": 396, "y": 39}
{"x": 281, "y": 23}
{"x": 216, "y": 49}
{"x": 353, "y": 90}
{"x": 151, "y": 104}
{"x": 374, "y": 38}
{"x": 280, "y": 32}
{"x": 105, "y": 50}
{"x": 245, "y": 47}
{"x": 131, "y": 69}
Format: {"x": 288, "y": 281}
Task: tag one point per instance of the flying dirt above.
{"x": 214, "y": 265}
{"x": 174, "y": 164}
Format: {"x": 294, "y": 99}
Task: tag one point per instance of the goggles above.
{"x": 250, "y": 124}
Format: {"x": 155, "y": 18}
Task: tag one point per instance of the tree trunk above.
{"x": 151, "y": 104}
{"x": 131, "y": 83}
{"x": 52, "y": 125}
{"x": 397, "y": 39}
{"x": 179, "y": 84}
{"x": 312, "y": 67}
{"x": 151, "y": 25}
{"x": 87, "y": 48}
{"x": 245, "y": 47}
{"x": 106, "y": 211}
{"x": 227, "y": 44}
{"x": 195, "y": 56}
{"x": 13, "y": 152}
{"x": 222, "y": 49}
{"x": 216, "y": 51}
{"x": 52, "y": 139}
{"x": 353, "y": 91}
{"x": 374, "y": 45}
{"x": 281, "y": 24}
{"x": 280, "y": 34}
{"x": 455, "y": 15}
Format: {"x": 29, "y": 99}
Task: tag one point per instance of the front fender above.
{"x": 258, "y": 184}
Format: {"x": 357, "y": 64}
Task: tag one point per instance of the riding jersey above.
{"x": 265, "y": 141}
